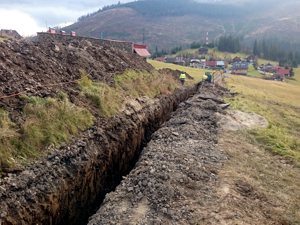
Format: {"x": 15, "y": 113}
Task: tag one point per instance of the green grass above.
{"x": 131, "y": 84}
{"x": 104, "y": 97}
{"x": 7, "y": 133}
{"x": 279, "y": 103}
{"x": 47, "y": 122}
{"x": 196, "y": 73}
{"x": 50, "y": 121}
{"x": 252, "y": 72}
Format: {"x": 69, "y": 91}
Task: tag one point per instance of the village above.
{"x": 204, "y": 58}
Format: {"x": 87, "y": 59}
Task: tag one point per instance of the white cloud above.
{"x": 19, "y": 21}
{"x": 31, "y": 16}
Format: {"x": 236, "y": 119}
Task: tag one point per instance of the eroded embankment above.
{"x": 70, "y": 184}
{"x": 175, "y": 178}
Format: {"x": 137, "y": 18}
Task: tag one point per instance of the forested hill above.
{"x": 169, "y": 23}
{"x": 153, "y": 8}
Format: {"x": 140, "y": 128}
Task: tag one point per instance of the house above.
{"x": 280, "y": 72}
{"x": 10, "y": 34}
{"x": 175, "y": 60}
{"x": 268, "y": 68}
{"x": 161, "y": 59}
{"x": 220, "y": 65}
{"x": 210, "y": 64}
{"x": 203, "y": 51}
{"x": 196, "y": 63}
{"x": 141, "y": 50}
{"x": 251, "y": 59}
{"x": 170, "y": 59}
{"x": 236, "y": 59}
{"x": 240, "y": 68}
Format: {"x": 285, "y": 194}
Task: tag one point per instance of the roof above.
{"x": 141, "y": 50}
{"x": 240, "y": 66}
{"x": 283, "y": 71}
{"x": 211, "y": 63}
{"x": 220, "y": 63}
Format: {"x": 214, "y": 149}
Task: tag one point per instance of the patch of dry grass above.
{"x": 7, "y": 133}
{"x": 47, "y": 122}
{"x": 130, "y": 84}
{"x": 272, "y": 193}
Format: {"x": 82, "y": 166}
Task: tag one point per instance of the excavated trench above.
{"x": 69, "y": 185}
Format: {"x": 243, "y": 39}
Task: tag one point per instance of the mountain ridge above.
{"x": 165, "y": 24}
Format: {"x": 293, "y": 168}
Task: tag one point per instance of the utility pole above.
{"x": 143, "y": 35}
{"x": 206, "y": 39}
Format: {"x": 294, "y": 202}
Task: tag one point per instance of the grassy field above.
{"x": 279, "y": 103}
{"x": 194, "y": 72}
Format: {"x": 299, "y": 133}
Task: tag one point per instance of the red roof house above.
{"x": 211, "y": 64}
{"x": 141, "y": 50}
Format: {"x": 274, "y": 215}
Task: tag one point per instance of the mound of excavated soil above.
{"x": 34, "y": 68}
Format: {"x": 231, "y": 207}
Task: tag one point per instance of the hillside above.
{"x": 166, "y": 24}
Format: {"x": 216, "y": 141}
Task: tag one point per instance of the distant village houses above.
{"x": 240, "y": 68}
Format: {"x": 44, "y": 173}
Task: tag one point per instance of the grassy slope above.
{"x": 277, "y": 101}
{"x": 268, "y": 175}
{"x": 194, "y": 72}
{"x": 53, "y": 121}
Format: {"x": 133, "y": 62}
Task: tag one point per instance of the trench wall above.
{"x": 70, "y": 184}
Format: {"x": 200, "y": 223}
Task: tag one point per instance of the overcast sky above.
{"x": 31, "y": 16}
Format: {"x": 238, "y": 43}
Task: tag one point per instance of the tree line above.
{"x": 287, "y": 54}
{"x": 229, "y": 44}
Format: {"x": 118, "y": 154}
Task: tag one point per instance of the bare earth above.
{"x": 194, "y": 172}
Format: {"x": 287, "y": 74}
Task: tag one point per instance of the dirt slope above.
{"x": 33, "y": 68}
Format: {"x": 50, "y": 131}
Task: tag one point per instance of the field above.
{"x": 194, "y": 72}
{"x": 265, "y": 162}
{"x": 277, "y": 101}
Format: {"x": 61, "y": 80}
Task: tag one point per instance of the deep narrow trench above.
{"x": 70, "y": 186}
{"x": 116, "y": 174}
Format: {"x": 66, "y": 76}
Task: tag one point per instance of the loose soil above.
{"x": 48, "y": 67}
{"x": 195, "y": 172}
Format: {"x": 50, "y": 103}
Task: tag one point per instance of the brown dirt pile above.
{"x": 34, "y": 67}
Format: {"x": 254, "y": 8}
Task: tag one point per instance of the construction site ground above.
{"x": 199, "y": 170}
{"x": 200, "y": 167}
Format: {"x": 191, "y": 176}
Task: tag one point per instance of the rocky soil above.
{"x": 175, "y": 178}
{"x": 45, "y": 68}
